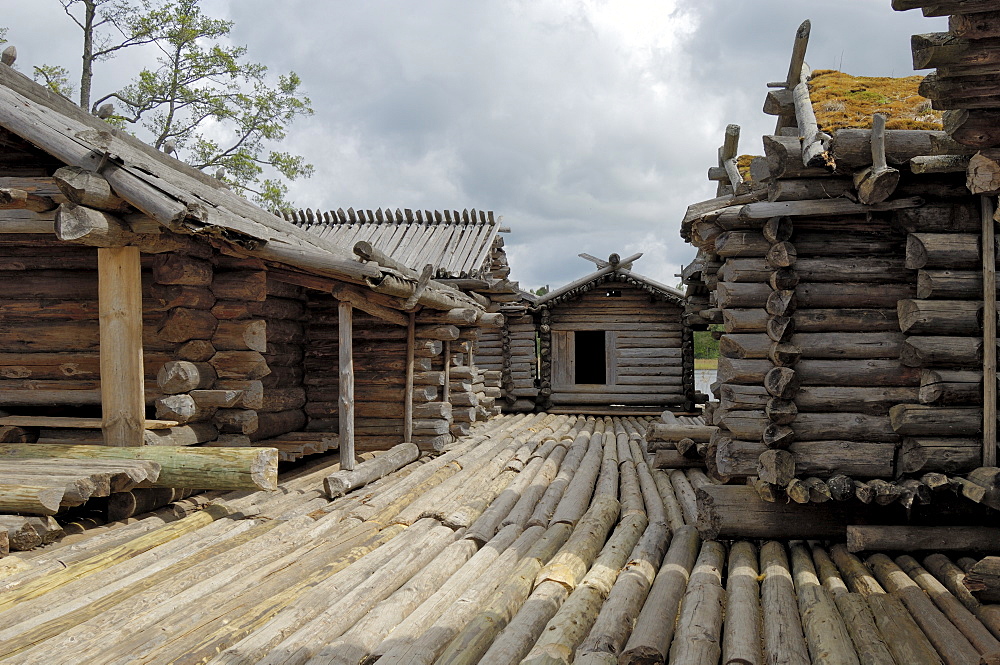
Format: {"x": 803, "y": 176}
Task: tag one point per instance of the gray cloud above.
{"x": 587, "y": 124}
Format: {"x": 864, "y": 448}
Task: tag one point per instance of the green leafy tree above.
{"x": 541, "y": 291}
{"x": 204, "y": 100}
{"x": 109, "y": 26}
{"x": 207, "y": 103}
{"x": 55, "y": 78}
{"x": 706, "y": 346}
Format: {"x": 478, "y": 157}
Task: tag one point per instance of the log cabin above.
{"x": 613, "y": 338}
{"x": 148, "y": 305}
{"x": 850, "y": 274}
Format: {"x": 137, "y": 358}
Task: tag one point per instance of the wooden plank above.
{"x": 76, "y": 423}
{"x": 346, "y": 388}
{"x": 611, "y": 356}
{"x": 120, "y": 304}
{"x": 989, "y": 334}
{"x": 563, "y": 359}
{"x": 408, "y": 396}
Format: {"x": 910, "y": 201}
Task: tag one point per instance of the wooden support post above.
{"x": 346, "y": 394}
{"x": 408, "y": 396}
{"x": 989, "y": 335}
{"x": 447, "y": 372}
{"x": 120, "y": 307}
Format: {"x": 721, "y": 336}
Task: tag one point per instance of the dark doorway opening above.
{"x": 591, "y": 363}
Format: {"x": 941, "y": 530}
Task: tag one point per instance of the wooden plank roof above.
{"x": 182, "y": 198}
{"x": 457, "y": 244}
{"x": 611, "y": 272}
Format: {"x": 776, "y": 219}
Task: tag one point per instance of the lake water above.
{"x": 703, "y": 380}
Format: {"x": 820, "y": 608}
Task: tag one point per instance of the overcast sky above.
{"x": 588, "y": 125}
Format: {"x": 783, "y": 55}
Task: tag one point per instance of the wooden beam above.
{"x": 989, "y": 334}
{"x": 446, "y": 396}
{"x": 408, "y": 394}
{"x": 346, "y": 392}
{"x": 120, "y": 307}
{"x": 62, "y": 422}
{"x": 422, "y": 282}
{"x": 371, "y": 303}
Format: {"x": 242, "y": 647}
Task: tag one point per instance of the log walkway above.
{"x": 538, "y": 538}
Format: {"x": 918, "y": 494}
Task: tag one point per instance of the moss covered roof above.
{"x": 841, "y": 101}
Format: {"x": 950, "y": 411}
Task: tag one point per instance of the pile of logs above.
{"x": 538, "y": 539}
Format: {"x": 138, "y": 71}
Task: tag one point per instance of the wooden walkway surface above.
{"x": 538, "y": 539}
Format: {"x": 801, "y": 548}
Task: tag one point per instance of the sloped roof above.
{"x": 611, "y": 271}
{"x": 456, "y": 243}
{"x": 180, "y": 197}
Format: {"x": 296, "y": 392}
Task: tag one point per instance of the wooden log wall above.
{"x": 49, "y": 333}
{"x": 258, "y": 353}
{"x": 852, "y": 344}
{"x": 943, "y": 328}
{"x": 511, "y": 352}
{"x": 649, "y": 357}
{"x": 380, "y": 378}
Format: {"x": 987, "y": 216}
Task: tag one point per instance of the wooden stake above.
{"x": 408, "y": 397}
{"x": 120, "y": 305}
{"x": 345, "y": 323}
{"x": 989, "y": 335}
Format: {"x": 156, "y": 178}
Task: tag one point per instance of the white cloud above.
{"x": 588, "y": 124}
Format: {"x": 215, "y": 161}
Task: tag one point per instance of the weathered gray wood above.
{"x": 862, "y": 537}
{"x": 856, "y": 613}
{"x": 963, "y": 619}
{"x": 341, "y": 482}
{"x": 939, "y": 351}
{"x": 739, "y": 458}
{"x": 345, "y": 399}
{"x": 877, "y": 182}
{"x": 902, "y": 636}
{"x": 942, "y": 250}
{"x": 824, "y": 628}
{"x": 742, "y": 629}
{"x": 954, "y": 648}
{"x": 927, "y": 420}
{"x": 699, "y": 624}
{"x": 945, "y": 455}
{"x": 989, "y": 332}
{"x": 654, "y": 627}
{"x": 782, "y": 629}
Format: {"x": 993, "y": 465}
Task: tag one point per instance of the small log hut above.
{"x": 613, "y": 338}
{"x": 148, "y": 305}
{"x": 853, "y": 277}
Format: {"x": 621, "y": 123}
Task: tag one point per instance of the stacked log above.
{"x": 943, "y": 337}
{"x": 49, "y": 347}
{"x": 520, "y": 359}
{"x": 846, "y": 337}
{"x": 545, "y": 359}
{"x": 380, "y": 353}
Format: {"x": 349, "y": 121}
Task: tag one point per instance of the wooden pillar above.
{"x": 345, "y": 328}
{"x": 411, "y": 330}
{"x": 989, "y": 335}
{"x": 447, "y": 372}
{"x": 120, "y": 310}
